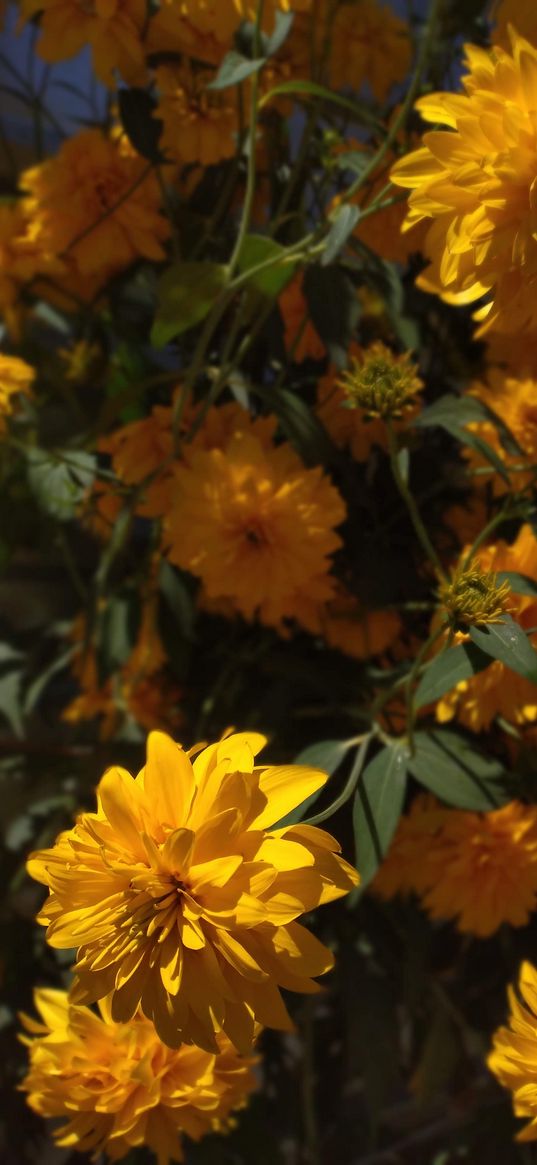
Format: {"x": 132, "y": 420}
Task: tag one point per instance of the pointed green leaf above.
{"x": 447, "y": 670}
{"x": 257, "y": 249}
{"x": 507, "y": 642}
{"x": 521, "y": 584}
{"x": 343, "y": 224}
{"x": 234, "y": 69}
{"x": 455, "y": 771}
{"x": 377, "y": 808}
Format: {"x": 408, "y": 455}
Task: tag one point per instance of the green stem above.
{"x": 410, "y": 503}
{"x": 412, "y": 677}
{"x": 252, "y": 136}
{"x": 350, "y": 785}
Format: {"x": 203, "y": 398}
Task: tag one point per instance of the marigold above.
{"x": 114, "y": 30}
{"x": 479, "y": 869}
{"x": 118, "y": 1087}
{"x": 356, "y": 630}
{"x": 514, "y": 1053}
{"x": 200, "y": 125}
{"x": 370, "y": 44}
{"x": 255, "y": 525}
{"x": 514, "y": 400}
{"x": 476, "y": 182}
{"x": 94, "y": 203}
{"x": 22, "y": 257}
{"x": 498, "y": 691}
{"x": 182, "y": 895}
{"x": 16, "y": 378}
{"x": 488, "y": 872}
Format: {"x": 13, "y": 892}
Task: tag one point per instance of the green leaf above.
{"x": 302, "y": 427}
{"x": 10, "y": 700}
{"x": 342, "y": 226}
{"x": 60, "y": 480}
{"x": 283, "y": 23}
{"x": 377, "y": 808}
{"x": 455, "y": 771}
{"x": 35, "y": 690}
{"x": 257, "y": 249}
{"x": 521, "y": 584}
{"x": 507, "y": 642}
{"x": 186, "y": 293}
{"x": 452, "y": 413}
{"x": 136, "y": 110}
{"x": 447, "y": 670}
{"x": 117, "y": 627}
{"x": 235, "y": 68}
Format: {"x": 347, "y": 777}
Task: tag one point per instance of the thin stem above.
{"x": 252, "y": 135}
{"x": 412, "y": 676}
{"x": 410, "y": 503}
{"x": 350, "y": 785}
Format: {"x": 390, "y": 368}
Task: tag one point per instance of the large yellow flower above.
{"x": 16, "y": 377}
{"x": 498, "y": 691}
{"x": 118, "y": 1087}
{"x": 182, "y": 894}
{"x": 255, "y": 525}
{"x": 513, "y": 1059}
{"x": 113, "y": 28}
{"x": 476, "y": 181}
{"x": 94, "y": 203}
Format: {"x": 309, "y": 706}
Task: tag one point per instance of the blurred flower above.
{"x": 488, "y": 873}
{"x": 114, "y": 31}
{"x": 118, "y": 1087}
{"x": 380, "y": 383}
{"x": 200, "y": 125}
{"x": 368, "y": 44}
{"x": 255, "y": 526}
{"x": 498, "y": 691}
{"x": 23, "y": 255}
{"x": 99, "y": 206}
{"x": 182, "y": 895}
{"x": 100, "y": 509}
{"x": 521, "y": 14}
{"x": 476, "y": 182}
{"x": 204, "y": 29}
{"x": 514, "y": 1053}
{"x": 16, "y": 378}
{"x": 514, "y": 400}
{"x": 140, "y": 451}
{"x": 301, "y": 340}
{"x": 356, "y": 630}
{"x": 479, "y": 869}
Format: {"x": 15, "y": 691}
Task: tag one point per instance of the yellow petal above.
{"x": 168, "y": 780}
{"x": 285, "y": 787}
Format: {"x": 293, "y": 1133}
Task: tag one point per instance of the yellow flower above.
{"x": 498, "y": 691}
{"x": 472, "y": 596}
{"x": 514, "y": 1053}
{"x": 22, "y": 257}
{"x": 182, "y": 894}
{"x": 514, "y": 400}
{"x": 113, "y": 28}
{"x": 488, "y": 870}
{"x": 16, "y": 377}
{"x": 479, "y": 869}
{"x": 200, "y": 125}
{"x": 93, "y": 202}
{"x": 358, "y": 427}
{"x": 356, "y": 630}
{"x": 370, "y": 44}
{"x": 204, "y": 29}
{"x": 255, "y": 525}
{"x": 116, "y": 1086}
{"x": 476, "y": 181}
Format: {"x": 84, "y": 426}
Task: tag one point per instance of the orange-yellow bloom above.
{"x": 113, "y": 28}
{"x": 255, "y": 526}
{"x": 116, "y": 1086}
{"x": 200, "y": 125}
{"x": 301, "y": 339}
{"x": 378, "y": 375}
{"x": 97, "y": 205}
{"x": 204, "y": 29}
{"x": 513, "y": 1059}
{"x": 521, "y": 14}
{"x": 182, "y": 894}
{"x": 16, "y": 377}
{"x": 479, "y": 869}
{"x": 476, "y": 181}
{"x": 369, "y": 44}
{"x": 498, "y": 691}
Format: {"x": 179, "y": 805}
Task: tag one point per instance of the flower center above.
{"x": 255, "y": 534}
